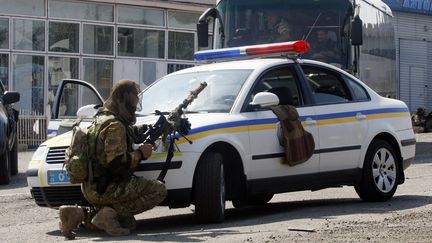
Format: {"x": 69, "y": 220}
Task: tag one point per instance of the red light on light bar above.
{"x": 293, "y": 46}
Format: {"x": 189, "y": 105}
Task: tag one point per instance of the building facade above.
{"x": 413, "y": 25}
{"x": 44, "y": 41}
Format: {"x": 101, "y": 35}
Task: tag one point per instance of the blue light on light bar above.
{"x": 217, "y": 54}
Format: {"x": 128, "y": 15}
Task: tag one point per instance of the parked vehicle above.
{"x": 8, "y": 135}
{"x": 361, "y": 138}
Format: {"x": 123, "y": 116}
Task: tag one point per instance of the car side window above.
{"x": 359, "y": 92}
{"x": 281, "y": 81}
{"x": 327, "y": 87}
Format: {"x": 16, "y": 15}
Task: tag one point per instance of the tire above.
{"x": 5, "y": 172}
{"x": 14, "y": 158}
{"x": 209, "y": 189}
{"x": 380, "y": 173}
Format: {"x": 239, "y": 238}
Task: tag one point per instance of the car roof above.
{"x": 249, "y": 64}
{"x": 252, "y": 64}
{"x": 260, "y": 64}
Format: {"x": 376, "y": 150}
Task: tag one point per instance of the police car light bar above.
{"x": 296, "y": 47}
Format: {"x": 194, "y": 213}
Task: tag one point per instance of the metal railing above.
{"x": 32, "y": 128}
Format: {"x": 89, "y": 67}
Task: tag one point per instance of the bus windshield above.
{"x": 322, "y": 23}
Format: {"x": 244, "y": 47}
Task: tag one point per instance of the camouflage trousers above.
{"x": 127, "y": 198}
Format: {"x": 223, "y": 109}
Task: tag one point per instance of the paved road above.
{"x": 329, "y": 215}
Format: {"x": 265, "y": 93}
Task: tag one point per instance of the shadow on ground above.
{"x": 184, "y": 228}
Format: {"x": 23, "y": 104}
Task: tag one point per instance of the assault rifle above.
{"x": 167, "y": 127}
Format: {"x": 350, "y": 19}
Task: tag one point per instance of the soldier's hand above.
{"x": 146, "y": 150}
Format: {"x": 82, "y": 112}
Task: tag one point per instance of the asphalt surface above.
{"x": 330, "y": 215}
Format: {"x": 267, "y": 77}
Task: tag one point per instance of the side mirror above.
{"x": 202, "y": 31}
{"x": 357, "y": 31}
{"x": 265, "y": 99}
{"x": 87, "y": 111}
{"x": 10, "y": 97}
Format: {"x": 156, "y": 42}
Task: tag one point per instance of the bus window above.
{"x": 260, "y": 22}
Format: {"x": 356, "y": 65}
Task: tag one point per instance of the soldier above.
{"x": 418, "y": 120}
{"x": 115, "y": 192}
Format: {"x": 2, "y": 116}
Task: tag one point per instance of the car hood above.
{"x": 199, "y": 122}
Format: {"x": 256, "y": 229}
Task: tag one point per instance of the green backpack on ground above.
{"x": 79, "y": 156}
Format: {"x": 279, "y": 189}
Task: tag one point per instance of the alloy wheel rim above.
{"x": 384, "y": 170}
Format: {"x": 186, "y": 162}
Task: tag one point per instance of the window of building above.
{"x": 181, "y": 45}
{"x": 29, "y": 35}
{"x": 98, "y": 72}
{"x": 148, "y": 72}
{"x": 61, "y": 68}
{"x": 4, "y": 34}
{"x": 141, "y": 43}
{"x": 4, "y": 70}
{"x": 28, "y": 79}
{"x": 23, "y": 7}
{"x": 98, "y": 39}
{"x": 174, "y": 67}
{"x": 183, "y": 20}
{"x": 63, "y": 37}
{"x": 81, "y": 10}
{"x": 145, "y": 16}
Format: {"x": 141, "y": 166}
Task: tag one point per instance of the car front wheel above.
{"x": 5, "y": 172}
{"x": 380, "y": 173}
{"x": 209, "y": 189}
{"x": 14, "y": 158}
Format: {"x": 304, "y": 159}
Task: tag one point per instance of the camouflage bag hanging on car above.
{"x": 298, "y": 144}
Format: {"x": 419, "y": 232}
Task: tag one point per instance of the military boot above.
{"x": 89, "y": 212}
{"x": 106, "y": 219}
{"x": 70, "y": 218}
{"x": 128, "y": 221}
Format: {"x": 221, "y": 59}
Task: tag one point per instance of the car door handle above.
{"x": 360, "y": 116}
{"x": 309, "y": 121}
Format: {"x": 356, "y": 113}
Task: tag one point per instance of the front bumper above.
{"x": 55, "y": 196}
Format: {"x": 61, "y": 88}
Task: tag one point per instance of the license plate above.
{"x": 56, "y": 177}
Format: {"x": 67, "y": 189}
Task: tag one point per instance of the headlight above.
{"x": 39, "y": 153}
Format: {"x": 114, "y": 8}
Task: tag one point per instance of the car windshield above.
{"x": 222, "y": 89}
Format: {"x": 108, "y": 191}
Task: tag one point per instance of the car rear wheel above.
{"x": 14, "y": 158}
{"x": 209, "y": 189}
{"x": 5, "y": 172}
{"x": 380, "y": 173}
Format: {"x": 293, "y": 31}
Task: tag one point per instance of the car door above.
{"x": 266, "y": 150}
{"x": 342, "y": 123}
{"x": 71, "y": 95}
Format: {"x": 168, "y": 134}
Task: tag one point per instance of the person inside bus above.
{"x": 277, "y": 29}
{"x": 324, "y": 48}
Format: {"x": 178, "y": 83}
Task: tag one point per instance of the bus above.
{"x": 359, "y": 34}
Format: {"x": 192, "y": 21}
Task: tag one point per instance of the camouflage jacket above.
{"x": 111, "y": 140}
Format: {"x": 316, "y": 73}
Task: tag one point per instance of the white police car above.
{"x": 361, "y": 139}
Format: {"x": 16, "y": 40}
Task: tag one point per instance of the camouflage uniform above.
{"x": 125, "y": 193}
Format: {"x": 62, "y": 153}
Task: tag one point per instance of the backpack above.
{"x": 79, "y": 156}
{"x": 77, "y": 161}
